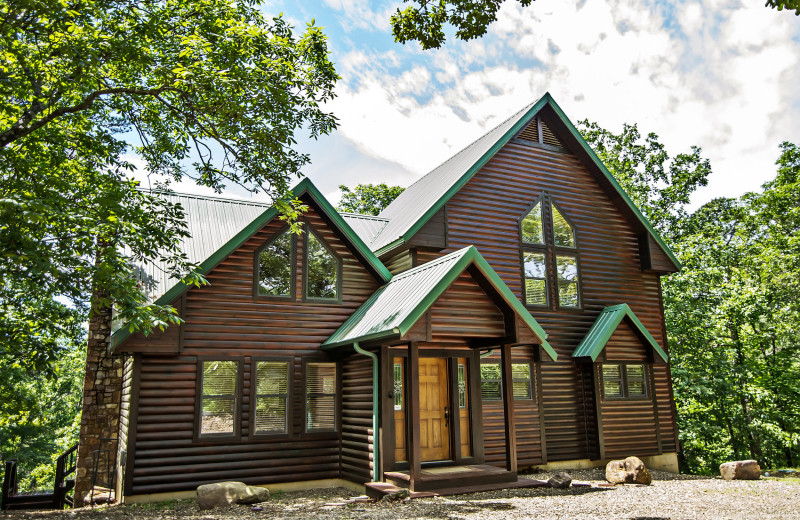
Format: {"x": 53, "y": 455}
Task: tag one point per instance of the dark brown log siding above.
{"x": 485, "y": 213}
{"x": 526, "y": 415}
{"x": 224, "y": 320}
{"x": 464, "y": 311}
{"x": 357, "y": 428}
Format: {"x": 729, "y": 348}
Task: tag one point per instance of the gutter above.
{"x": 376, "y": 437}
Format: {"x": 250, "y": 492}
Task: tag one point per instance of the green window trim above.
{"x": 322, "y": 389}
{"x": 272, "y": 403}
{"x": 268, "y": 263}
{"x": 316, "y": 283}
{"x": 492, "y": 380}
{"x": 218, "y": 399}
{"x": 621, "y": 381}
{"x": 550, "y": 264}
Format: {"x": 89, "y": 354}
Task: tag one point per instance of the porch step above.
{"x": 378, "y": 490}
{"x": 451, "y": 477}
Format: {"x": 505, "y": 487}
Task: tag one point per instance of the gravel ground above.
{"x": 670, "y": 497}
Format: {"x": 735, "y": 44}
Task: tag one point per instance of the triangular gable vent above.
{"x": 537, "y": 131}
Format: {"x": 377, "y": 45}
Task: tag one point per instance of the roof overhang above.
{"x": 383, "y": 317}
{"x": 603, "y": 328}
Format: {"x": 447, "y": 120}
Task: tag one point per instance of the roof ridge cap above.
{"x": 361, "y": 215}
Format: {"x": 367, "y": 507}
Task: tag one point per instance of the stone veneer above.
{"x": 102, "y": 390}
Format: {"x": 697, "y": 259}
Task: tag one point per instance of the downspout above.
{"x": 376, "y": 438}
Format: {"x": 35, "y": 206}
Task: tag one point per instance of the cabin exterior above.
{"x": 504, "y": 312}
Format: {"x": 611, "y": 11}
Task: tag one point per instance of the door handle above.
{"x": 446, "y": 417}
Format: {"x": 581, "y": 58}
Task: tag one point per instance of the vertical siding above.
{"x": 224, "y": 320}
{"x": 357, "y": 428}
{"x": 485, "y": 213}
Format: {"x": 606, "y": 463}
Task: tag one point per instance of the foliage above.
{"x": 368, "y": 199}
{"x": 424, "y": 20}
{"x": 208, "y": 90}
{"x": 39, "y": 414}
{"x": 658, "y": 184}
{"x": 789, "y": 5}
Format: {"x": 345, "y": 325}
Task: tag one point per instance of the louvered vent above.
{"x": 548, "y": 137}
{"x": 530, "y": 132}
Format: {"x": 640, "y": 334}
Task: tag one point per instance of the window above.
{"x": 547, "y": 238}
{"x": 321, "y": 397}
{"x": 521, "y": 374}
{"x": 322, "y": 269}
{"x": 274, "y": 266}
{"x": 462, "y": 385}
{"x": 491, "y": 381}
{"x": 219, "y": 398}
{"x": 271, "y": 396}
{"x": 398, "y": 386}
{"x": 621, "y": 381}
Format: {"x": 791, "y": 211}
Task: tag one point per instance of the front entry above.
{"x": 434, "y": 420}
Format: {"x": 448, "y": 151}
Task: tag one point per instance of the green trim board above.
{"x": 388, "y": 244}
{"x": 394, "y": 308}
{"x": 603, "y": 328}
{"x": 303, "y": 187}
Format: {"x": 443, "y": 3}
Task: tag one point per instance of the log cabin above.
{"x": 505, "y": 312}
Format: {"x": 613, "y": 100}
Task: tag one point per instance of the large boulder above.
{"x": 628, "y": 471}
{"x": 226, "y": 493}
{"x": 560, "y": 480}
{"x": 740, "y": 470}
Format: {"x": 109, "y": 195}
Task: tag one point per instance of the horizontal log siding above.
{"x": 402, "y": 261}
{"x": 357, "y": 432}
{"x": 526, "y": 415}
{"x": 464, "y": 311}
{"x": 158, "y": 341}
{"x": 224, "y": 320}
{"x": 625, "y": 346}
{"x": 485, "y": 213}
{"x": 124, "y": 419}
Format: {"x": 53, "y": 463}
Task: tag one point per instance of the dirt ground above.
{"x": 670, "y": 497}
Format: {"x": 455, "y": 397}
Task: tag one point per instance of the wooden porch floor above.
{"x": 452, "y": 480}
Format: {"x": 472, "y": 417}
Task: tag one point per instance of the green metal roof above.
{"x": 603, "y": 328}
{"x": 203, "y": 219}
{"x": 397, "y": 306}
{"x": 420, "y": 201}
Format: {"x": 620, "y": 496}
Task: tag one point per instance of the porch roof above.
{"x": 396, "y": 307}
{"x": 603, "y": 328}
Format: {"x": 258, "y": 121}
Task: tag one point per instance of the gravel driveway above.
{"x": 669, "y": 497}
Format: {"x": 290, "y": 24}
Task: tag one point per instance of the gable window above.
{"x": 271, "y": 396}
{"x": 491, "y": 381}
{"x": 623, "y": 381}
{"x": 219, "y": 398}
{"x": 274, "y": 266}
{"x": 321, "y": 397}
{"x": 322, "y": 269}
{"x": 549, "y": 257}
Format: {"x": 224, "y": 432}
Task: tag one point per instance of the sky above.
{"x": 721, "y": 75}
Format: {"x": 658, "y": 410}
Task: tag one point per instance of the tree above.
{"x": 658, "y": 184}
{"x": 203, "y": 89}
{"x": 780, "y": 5}
{"x": 368, "y": 199}
{"x": 424, "y": 20}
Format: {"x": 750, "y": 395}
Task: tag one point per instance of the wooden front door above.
{"x": 434, "y": 415}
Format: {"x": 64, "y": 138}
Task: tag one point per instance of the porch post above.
{"x": 508, "y": 408}
{"x": 412, "y": 396}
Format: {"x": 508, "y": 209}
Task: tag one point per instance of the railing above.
{"x": 58, "y": 499}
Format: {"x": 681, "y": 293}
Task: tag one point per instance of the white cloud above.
{"x": 719, "y": 75}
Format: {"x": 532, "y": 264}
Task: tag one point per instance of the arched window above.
{"x": 322, "y": 271}
{"x": 274, "y": 266}
{"x": 549, "y": 256}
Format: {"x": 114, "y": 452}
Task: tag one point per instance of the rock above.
{"x": 628, "y": 471}
{"x": 560, "y": 480}
{"x": 740, "y": 470}
{"x": 227, "y": 493}
{"x": 396, "y": 496}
